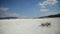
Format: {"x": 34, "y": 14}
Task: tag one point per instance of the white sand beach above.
{"x": 29, "y": 26}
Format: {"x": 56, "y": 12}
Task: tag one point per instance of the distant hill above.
{"x": 8, "y": 18}
{"x": 50, "y": 16}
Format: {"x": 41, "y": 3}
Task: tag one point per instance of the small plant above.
{"x": 46, "y": 24}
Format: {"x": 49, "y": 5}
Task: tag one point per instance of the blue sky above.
{"x": 29, "y": 8}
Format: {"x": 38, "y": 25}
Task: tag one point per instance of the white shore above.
{"x": 29, "y": 26}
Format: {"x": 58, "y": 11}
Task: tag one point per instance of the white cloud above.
{"x": 4, "y": 9}
{"x": 12, "y": 15}
{"x": 44, "y": 10}
{"x": 47, "y": 3}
